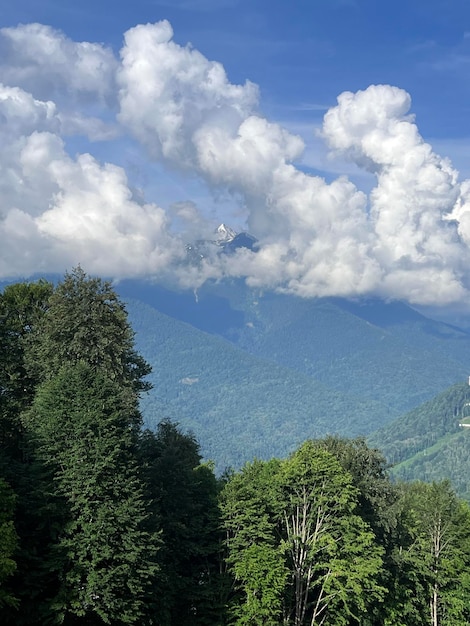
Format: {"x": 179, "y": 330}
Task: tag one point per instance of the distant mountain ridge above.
{"x": 340, "y": 366}
{"x": 238, "y": 405}
{"x": 387, "y": 352}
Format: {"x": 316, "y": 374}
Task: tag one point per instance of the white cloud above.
{"x": 183, "y": 109}
{"x": 409, "y": 238}
{"x": 419, "y": 249}
{"x": 167, "y": 92}
{"x": 45, "y": 62}
{"x": 58, "y": 211}
{"x": 94, "y": 217}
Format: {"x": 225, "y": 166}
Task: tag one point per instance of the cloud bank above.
{"x": 409, "y": 238}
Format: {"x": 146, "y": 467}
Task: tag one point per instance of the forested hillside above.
{"x": 238, "y": 405}
{"x": 384, "y": 352}
{"x": 428, "y": 443}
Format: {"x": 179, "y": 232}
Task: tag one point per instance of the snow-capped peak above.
{"x": 224, "y": 234}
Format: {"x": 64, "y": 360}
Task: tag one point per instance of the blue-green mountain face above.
{"x": 238, "y": 405}
{"x": 254, "y": 373}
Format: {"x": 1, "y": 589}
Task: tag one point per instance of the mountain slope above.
{"x": 449, "y": 459}
{"x": 386, "y": 352}
{"x": 428, "y": 444}
{"x": 238, "y": 405}
{"x": 399, "y": 363}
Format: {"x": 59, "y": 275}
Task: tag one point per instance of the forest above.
{"x": 105, "y": 522}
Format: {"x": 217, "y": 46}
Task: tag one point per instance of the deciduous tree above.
{"x": 436, "y": 552}
{"x": 251, "y": 511}
{"x": 84, "y": 429}
{"x": 332, "y": 555}
{"x": 87, "y": 322}
{"x": 183, "y": 494}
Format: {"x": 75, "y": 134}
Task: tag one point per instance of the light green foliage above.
{"x": 251, "y": 510}
{"x": 326, "y": 540}
{"x": 435, "y": 553}
{"x": 424, "y": 426}
{"x": 297, "y": 517}
{"x": 262, "y": 573}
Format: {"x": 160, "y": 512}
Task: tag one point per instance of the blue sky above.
{"x": 302, "y": 53}
{"x": 384, "y": 231}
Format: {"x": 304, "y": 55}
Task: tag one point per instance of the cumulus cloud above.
{"x": 408, "y": 238}
{"x": 45, "y": 62}
{"x": 416, "y": 244}
{"x": 58, "y": 211}
{"x": 168, "y": 92}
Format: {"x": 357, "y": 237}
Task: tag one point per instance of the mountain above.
{"x": 224, "y": 241}
{"x": 224, "y": 234}
{"x": 385, "y": 352}
{"x": 428, "y": 443}
{"x": 266, "y": 370}
{"x": 238, "y": 405}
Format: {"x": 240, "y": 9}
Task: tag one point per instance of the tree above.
{"x": 368, "y": 469}
{"x": 86, "y": 322}
{"x": 435, "y": 551}
{"x": 183, "y": 493}
{"x": 377, "y": 504}
{"x": 8, "y": 544}
{"x": 298, "y": 550}
{"x": 71, "y": 500}
{"x": 332, "y": 555}
{"x": 84, "y": 428}
{"x": 22, "y": 306}
{"x": 251, "y": 510}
